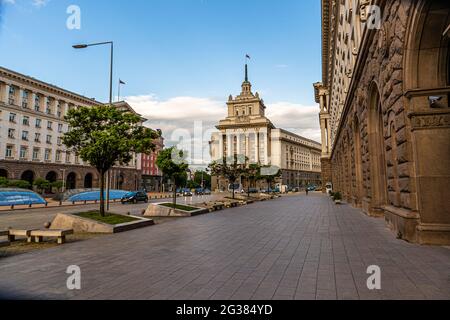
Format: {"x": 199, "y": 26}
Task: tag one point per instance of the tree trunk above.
{"x": 175, "y": 197}
{"x": 102, "y": 193}
{"x": 233, "y": 190}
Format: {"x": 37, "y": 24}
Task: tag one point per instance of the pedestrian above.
{"x": 307, "y": 191}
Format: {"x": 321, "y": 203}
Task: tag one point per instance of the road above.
{"x": 295, "y": 247}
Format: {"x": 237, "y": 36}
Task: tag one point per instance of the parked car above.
{"x": 187, "y": 193}
{"x": 207, "y": 192}
{"x": 134, "y": 197}
{"x": 199, "y": 191}
{"x": 253, "y": 190}
{"x": 311, "y": 188}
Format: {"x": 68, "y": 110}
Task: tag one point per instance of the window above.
{"x": 9, "y": 152}
{"x": 38, "y": 123}
{"x": 48, "y": 153}
{"x": 11, "y": 133}
{"x": 67, "y": 157}
{"x": 37, "y": 137}
{"x": 26, "y": 121}
{"x": 59, "y": 141}
{"x": 58, "y": 155}
{"x": 25, "y": 95}
{"x": 12, "y": 117}
{"x": 49, "y": 139}
{"x": 50, "y": 125}
{"x": 25, "y": 135}
{"x": 77, "y": 159}
{"x": 23, "y": 152}
{"x": 49, "y": 106}
{"x": 12, "y": 95}
{"x": 36, "y": 153}
{"x": 60, "y": 127}
{"x": 37, "y": 103}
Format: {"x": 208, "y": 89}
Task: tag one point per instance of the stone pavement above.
{"x": 290, "y": 248}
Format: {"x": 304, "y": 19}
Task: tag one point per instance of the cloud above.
{"x": 40, "y": 3}
{"x": 182, "y": 116}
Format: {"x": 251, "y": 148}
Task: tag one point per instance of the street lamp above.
{"x": 111, "y": 43}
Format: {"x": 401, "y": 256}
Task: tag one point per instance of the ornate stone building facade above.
{"x": 385, "y": 113}
{"x": 247, "y": 131}
{"x": 31, "y": 128}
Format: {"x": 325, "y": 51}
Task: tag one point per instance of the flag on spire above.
{"x": 247, "y": 56}
{"x": 121, "y": 82}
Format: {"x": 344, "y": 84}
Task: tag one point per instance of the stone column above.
{"x": 327, "y": 121}
{"x": 238, "y": 144}
{"x": 247, "y": 146}
{"x": 221, "y": 146}
{"x": 4, "y": 94}
{"x": 324, "y": 136}
{"x": 229, "y": 145}
{"x": 257, "y": 146}
{"x": 19, "y": 97}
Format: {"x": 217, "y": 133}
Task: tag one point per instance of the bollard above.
{"x": 60, "y": 202}
{"x": 73, "y": 203}
{"x": 30, "y": 205}
{"x": 12, "y": 207}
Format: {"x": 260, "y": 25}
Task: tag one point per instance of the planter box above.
{"x": 157, "y": 210}
{"x": 84, "y": 225}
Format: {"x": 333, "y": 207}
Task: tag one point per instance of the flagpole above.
{"x": 118, "y": 97}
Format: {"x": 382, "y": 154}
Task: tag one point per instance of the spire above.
{"x": 246, "y": 73}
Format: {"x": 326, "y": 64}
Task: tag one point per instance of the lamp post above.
{"x": 111, "y": 43}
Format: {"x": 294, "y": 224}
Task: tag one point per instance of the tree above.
{"x": 270, "y": 174}
{"x": 3, "y": 182}
{"x": 202, "y": 176}
{"x": 231, "y": 168}
{"x": 57, "y": 185}
{"x": 173, "y": 164}
{"x": 252, "y": 173}
{"x": 21, "y": 184}
{"x": 105, "y": 136}
{"x": 41, "y": 184}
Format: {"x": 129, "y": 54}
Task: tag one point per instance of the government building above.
{"x": 384, "y": 111}
{"x": 31, "y": 129}
{"x": 248, "y": 132}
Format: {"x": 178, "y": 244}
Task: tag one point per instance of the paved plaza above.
{"x": 290, "y": 248}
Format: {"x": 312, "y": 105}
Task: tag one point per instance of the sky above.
{"x": 180, "y": 59}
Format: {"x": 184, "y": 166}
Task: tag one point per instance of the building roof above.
{"x": 47, "y": 86}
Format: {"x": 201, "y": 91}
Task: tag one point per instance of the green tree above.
{"x": 41, "y": 184}
{"x": 21, "y": 184}
{"x": 231, "y": 168}
{"x": 57, "y": 185}
{"x": 270, "y": 174}
{"x": 253, "y": 174}
{"x": 105, "y": 136}
{"x": 172, "y": 163}
{"x": 202, "y": 176}
{"x": 3, "y": 182}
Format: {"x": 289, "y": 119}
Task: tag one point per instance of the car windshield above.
{"x": 130, "y": 194}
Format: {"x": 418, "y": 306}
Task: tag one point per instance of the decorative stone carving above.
{"x": 430, "y": 121}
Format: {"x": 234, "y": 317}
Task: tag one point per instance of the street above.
{"x": 295, "y": 247}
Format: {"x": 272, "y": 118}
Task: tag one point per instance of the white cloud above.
{"x": 177, "y": 117}
{"x": 40, "y": 3}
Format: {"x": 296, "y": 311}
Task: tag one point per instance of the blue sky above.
{"x": 167, "y": 49}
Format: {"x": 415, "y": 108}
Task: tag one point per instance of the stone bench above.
{"x": 38, "y": 235}
{"x": 4, "y": 243}
{"x": 14, "y": 233}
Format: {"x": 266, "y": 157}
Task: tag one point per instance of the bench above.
{"x": 38, "y": 235}
{"x": 4, "y": 243}
{"x": 13, "y": 233}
